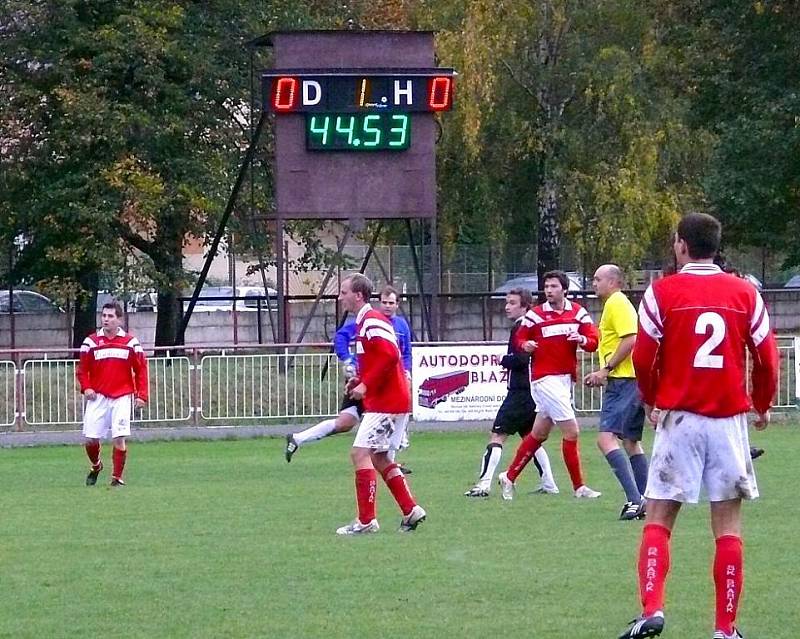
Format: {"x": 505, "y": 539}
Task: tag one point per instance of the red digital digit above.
{"x": 440, "y": 93}
{"x": 285, "y": 94}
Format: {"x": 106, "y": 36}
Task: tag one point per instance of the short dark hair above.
{"x": 702, "y": 234}
{"x": 389, "y": 290}
{"x": 116, "y": 306}
{"x": 360, "y": 283}
{"x": 561, "y": 276}
{"x": 525, "y": 296}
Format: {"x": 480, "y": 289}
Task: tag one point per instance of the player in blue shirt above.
{"x": 343, "y": 345}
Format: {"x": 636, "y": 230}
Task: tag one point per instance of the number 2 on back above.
{"x": 704, "y": 358}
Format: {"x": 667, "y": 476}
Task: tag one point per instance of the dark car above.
{"x": 28, "y": 302}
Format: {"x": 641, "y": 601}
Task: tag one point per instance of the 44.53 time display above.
{"x": 358, "y": 131}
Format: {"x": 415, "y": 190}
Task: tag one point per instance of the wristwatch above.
{"x": 608, "y": 367}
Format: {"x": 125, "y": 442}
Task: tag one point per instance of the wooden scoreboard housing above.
{"x": 355, "y": 127}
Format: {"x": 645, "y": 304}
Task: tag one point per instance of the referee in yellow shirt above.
{"x": 622, "y": 415}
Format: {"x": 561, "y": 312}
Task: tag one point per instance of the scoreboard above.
{"x": 358, "y": 110}
{"x": 355, "y": 128}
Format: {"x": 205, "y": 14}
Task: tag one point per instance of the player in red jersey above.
{"x": 695, "y": 328}
{"x": 383, "y": 386}
{"x": 554, "y": 330}
{"x": 112, "y": 371}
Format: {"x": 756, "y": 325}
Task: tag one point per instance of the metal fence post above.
{"x": 195, "y": 380}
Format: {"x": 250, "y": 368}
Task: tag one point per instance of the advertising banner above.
{"x": 453, "y": 383}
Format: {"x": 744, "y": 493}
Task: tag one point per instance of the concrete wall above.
{"x": 458, "y": 319}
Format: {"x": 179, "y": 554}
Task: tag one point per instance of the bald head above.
{"x": 607, "y": 279}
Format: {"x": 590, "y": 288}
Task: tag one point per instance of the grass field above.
{"x": 224, "y": 539}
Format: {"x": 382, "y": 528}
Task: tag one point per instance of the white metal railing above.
{"x": 8, "y": 389}
{"x": 234, "y": 387}
{"x": 275, "y": 385}
{"x": 52, "y": 395}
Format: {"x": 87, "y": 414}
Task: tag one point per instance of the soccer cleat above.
{"x": 584, "y": 492}
{"x": 91, "y": 478}
{"x": 755, "y": 453}
{"x": 718, "y": 634}
{"x": 506, "y": 486}
{"x": 644, "y": 627}
{"x": 413, "y": 519}
{"x": 291, "y": 447}
{"x": 357, "y": 528}
{"x": 116, "y": 482}
{"x": 642, "y": 509}
{"x": 545, "y": 488}
{"x": 630, "y": 511}
{"x": 405, "y": 470}
{"x": 477, "y": 491}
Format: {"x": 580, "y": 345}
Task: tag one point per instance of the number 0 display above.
{"x": 358, "y": 132}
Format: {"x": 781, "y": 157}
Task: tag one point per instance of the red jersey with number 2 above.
{"x": 695, "y": 328}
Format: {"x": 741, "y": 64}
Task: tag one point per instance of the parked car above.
{"x": 28, "y": 302}
{"x": 137, "y": 302}
{"x": 224, "y": 301}
{"x": 531, "y": 282}
{"x": 794, "y": 282}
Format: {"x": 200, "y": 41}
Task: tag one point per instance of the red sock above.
{"x": 366, "y": 488}
{"x": 396, "y": 482}
{"x": 653, "y": 567}
{"x": 572, "y": 458}
{"x": 728, "y": 580}
{"x": 527, "y": 447}
{"x": 119, "y": 456}
{"x": 93, "y": 452}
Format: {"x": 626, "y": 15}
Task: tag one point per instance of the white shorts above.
{"x": 103, "y": 413}
{"x": 381, "y": 432}
{"x": 553, "y": 397}
{"x": 691, "y": 451}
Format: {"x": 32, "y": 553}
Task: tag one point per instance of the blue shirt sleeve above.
{"x": 341, "y": 342}
{"x": 403, "y": 332}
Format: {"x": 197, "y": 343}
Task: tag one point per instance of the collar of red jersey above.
{"x": 364, "y": 310}
{"x": 698, "y": 268}
{"x": 120, "y": 332}
{"x": 547, "y": 307}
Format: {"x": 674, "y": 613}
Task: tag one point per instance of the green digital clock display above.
{"x": 358, "y": 131}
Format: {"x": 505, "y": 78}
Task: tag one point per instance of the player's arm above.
{"x": 383, "y": 356}
{"x": 141, "y": 374}
{"x": 404, "y": 341}
{"x": 83, "y": 371}
{"x": 764, "y": 350}
{"x": 342, "y": 340}
{"x": 588, "y": 338}
{"x": 524, "y": 338}
{"x": 646, "y": 347}
{"x": 516, "y": 361}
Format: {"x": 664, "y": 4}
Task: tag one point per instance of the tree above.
{"x": 557, "y": 129}
{"x": 127, "y": 122}
{"x": 745, "y": 58}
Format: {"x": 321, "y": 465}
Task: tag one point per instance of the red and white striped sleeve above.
{"x": 764, "y": 350}
{"x": 588, "y": 330}
{"x": 84, "y": 370}
{"x": 139, "y": 368}
{"x": 645, "y": 350}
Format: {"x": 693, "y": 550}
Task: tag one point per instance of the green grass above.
{"x": 224, "y": 539}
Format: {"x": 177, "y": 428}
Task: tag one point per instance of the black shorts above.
{"x": 349, "y": 402}
{"x": 516, "y": 414}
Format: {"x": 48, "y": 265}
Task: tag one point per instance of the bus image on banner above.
{"x": 436, "y": 388}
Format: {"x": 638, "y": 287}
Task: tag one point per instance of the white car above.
{"x": 222, "y": 298}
